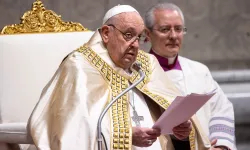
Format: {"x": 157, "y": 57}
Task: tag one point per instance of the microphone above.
{"x": 136, "y": 66}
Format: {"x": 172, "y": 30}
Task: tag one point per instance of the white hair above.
{"x": 150, "y": 18}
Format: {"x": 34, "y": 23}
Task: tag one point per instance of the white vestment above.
{"x": 65, "y": 118}
{"x": 142, "y": 109}
{"x": 217, "y": 115}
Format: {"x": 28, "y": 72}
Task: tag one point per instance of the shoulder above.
{"x": 194, "y": 64}
{"x": 72, "y": 58}
{"x": 75, "y": 60}
{"x": 200, "y": 72}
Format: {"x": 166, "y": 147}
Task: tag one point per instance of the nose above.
{"x": 135, "y": 42}
{"x": 172, "y": 34}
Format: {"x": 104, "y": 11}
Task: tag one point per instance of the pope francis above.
{"x": 65, "y": 118}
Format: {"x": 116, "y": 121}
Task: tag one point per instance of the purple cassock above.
{"x": 164, "y": 62}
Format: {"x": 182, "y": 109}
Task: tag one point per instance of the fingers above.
{"x": 153, "y": 132}
{"x": 181, "y": 136}
{"x": 144, "y": 137}
{"x": 149, "y": 142}
{"x": 180, "y": 129}
{"x": 186, "y": 134}
{"x": 213, "y": 142}
{"x": 186, "y": 124}
{"x": 156, "y": 130}
{"x": 183, "y": 130}
{"x": 184, "y": 127}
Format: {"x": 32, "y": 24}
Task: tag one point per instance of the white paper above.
{"x": 181, "y": 110}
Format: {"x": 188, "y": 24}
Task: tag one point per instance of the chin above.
{"x": 173, "y": 52}
{"x": 126, "y": 65}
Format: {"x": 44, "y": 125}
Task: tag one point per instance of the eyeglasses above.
{"x": 176, "y": 29}
{"x": 128, "y": 36}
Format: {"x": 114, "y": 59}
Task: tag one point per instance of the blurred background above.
{"x": 218, "y": 36}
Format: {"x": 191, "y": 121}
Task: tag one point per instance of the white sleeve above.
{"x": 221, "y": 124}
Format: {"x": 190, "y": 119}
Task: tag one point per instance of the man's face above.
{"x": 167, "y": 33}
{"x": 122, "y": 42}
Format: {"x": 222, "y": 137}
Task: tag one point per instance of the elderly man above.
{"x": 66, "y": 115}
{"x": 165, "y": 30}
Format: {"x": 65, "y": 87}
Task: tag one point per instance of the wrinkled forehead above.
{"x": 130, "y": 20}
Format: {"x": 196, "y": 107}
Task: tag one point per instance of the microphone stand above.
{"x": 99, "y": 129}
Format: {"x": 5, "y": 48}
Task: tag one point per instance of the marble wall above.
{"x": 218, "y": 30}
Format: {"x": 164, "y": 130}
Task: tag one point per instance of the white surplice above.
{"x": 217, "y": 115}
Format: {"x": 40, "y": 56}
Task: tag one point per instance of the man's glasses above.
{"x": 177, "y": 29}
{"x": 128, "y": 36}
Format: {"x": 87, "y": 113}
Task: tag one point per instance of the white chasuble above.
{"x": 216, "y": 117}
{"x": 65, "y": 118}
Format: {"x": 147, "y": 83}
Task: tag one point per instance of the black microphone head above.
{"x": 136, "y": 66}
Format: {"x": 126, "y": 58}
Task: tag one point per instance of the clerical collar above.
{"x": 167, "y": 63}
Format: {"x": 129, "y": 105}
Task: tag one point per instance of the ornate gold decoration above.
{"x": 143, "y": 58}
{"x": 41, "y": 20}
{"x": 192, "y": 139}
{"x": 121, "y": 136}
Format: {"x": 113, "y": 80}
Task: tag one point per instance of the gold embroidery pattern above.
{"x": 192, "y": 139}
{"x": 40, "y": 20}
{"x": 144, "y": 60}
{"x": 121, "y": 138}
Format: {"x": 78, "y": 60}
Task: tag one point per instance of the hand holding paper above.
{"x": 181, "y": 110}
{"x": 183, "y": 130}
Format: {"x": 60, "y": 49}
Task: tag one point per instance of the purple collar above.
{"x": 164, "y": 62}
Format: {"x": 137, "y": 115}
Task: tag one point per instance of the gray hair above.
{"x": 149, "y": 16}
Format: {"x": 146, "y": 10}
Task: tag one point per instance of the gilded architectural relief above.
{"x": 218, "y": 30}
{"x": 40, "y": 20}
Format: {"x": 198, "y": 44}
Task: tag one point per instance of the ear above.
{"x": 148, "y": 34}
{"x": 105, "y": 33}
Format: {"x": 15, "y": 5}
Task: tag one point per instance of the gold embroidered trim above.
{"x": 192, "y": 139}
{"x": 121, "y": 137}
{"x": 144, "y": 60}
